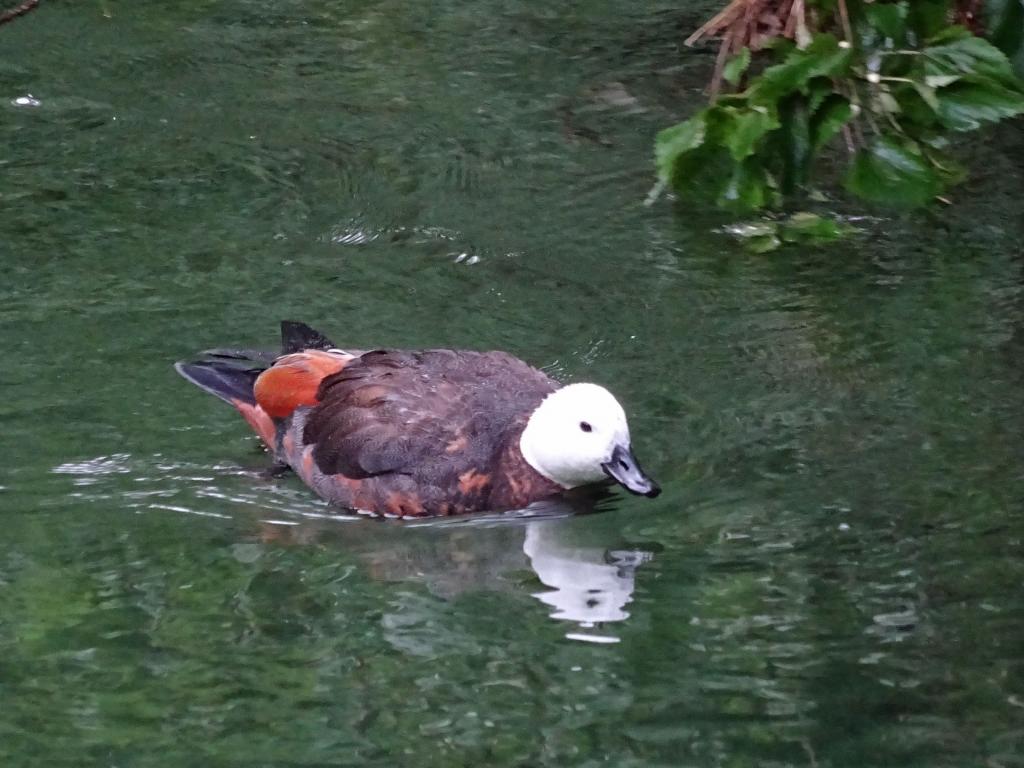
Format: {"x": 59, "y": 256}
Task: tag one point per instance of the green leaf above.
{"x": 949, "y": 171}
{"x": 804, "y": 227}
{"x": 918, "y": 108}
{"x": 703, "y": 174}
{"x": 672, "y": 143}
{"x": 824, "y": 57}
{"x": 894, "y": 172}
{"x": 818, "y": 90}
{"x": 1005, "y": 24}
{"x": 927, "y": 95}
{"x": 795, "y": 143}
{"x": 966, "y": 56}
{"x": 890, "y": 19}
{"x": 747, "y": 189}
{"x": 1006, "y": 30}
{"x": 830, "y": 117}
{"x": 967, "y": 104}
{"x": 927, "y": 17}
{"x": 885, "y": 103}
{"x": 948, "y": 34}
{"x": 746, "y": 128}
{"x": 736, "y": 66}
{"x": 937, "y": 142}
{"x": 765, "y": 244}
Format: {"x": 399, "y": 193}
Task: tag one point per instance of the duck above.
{"x": 420, "y": 433}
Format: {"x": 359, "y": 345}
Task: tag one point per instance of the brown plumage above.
{"x": 407, "y": 433}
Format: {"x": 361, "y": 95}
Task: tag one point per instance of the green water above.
{"x": 832, "y": 577}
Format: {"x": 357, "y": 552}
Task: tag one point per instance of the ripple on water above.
{"x": 213, "y": 490}
{"x": 588, "y": 587}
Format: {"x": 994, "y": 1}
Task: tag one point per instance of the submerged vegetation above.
{"x": 887, "y": 84}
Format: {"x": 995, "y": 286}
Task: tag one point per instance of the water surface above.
{"x": 832, "y": 577}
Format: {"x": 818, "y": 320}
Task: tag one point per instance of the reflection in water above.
{"x": 587, "y": 583}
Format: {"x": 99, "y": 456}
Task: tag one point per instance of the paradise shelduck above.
{"x": 417, "y": 433}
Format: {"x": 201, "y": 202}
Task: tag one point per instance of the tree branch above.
{"x": 20, "y": 10}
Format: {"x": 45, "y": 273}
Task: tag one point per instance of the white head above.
{"x": 579, "y": 435}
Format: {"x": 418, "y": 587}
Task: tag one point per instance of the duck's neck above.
{"x": 517, "y": 484}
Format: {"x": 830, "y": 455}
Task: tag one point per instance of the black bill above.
{"x": 624, "y": 469}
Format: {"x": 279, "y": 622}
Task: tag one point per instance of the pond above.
{"x": 833, "y": 575}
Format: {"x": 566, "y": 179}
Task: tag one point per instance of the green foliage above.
{"x": 893, "y": 171}
{"x": 801, "y": 228}
{"x": 736, "y": 66}
{"x": 906, "y": 80}
{"x": 1005, "y": 20}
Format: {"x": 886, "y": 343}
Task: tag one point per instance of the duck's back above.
{"x": 421, "y": 432}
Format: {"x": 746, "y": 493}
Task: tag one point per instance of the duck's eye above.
{"x": 585, "y": 426}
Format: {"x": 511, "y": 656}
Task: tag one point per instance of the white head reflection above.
{"x": 589, "y": 585}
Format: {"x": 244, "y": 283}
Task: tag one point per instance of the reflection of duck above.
{"x": 588, "y": 584}
{"x": 421, "y": 433}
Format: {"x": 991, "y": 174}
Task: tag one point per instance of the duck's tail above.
{"x": 231, "y": 374}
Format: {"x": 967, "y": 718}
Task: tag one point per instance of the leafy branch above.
{"x": 894, "y": 79}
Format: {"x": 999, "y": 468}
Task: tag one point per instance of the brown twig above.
{"x": 718, "y": 22}
{"x": 851, "y": 148}
{"x": 796, "y": 25}
{"x": 720, "y": 59}
{"x": 853, "y": 133}
{"x": 746, "y": 31}
{"x": 752, "y": 24}
{"x": 844, "y": 17}
{"x": 20, "y": 10}
{"x": 716, "y": 76}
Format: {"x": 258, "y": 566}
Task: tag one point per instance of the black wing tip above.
{"x": 229, "y": 383}
{"x": 183, "y": 369}
{"x": 296, "y": 337}
{"x": 193, "y": 371}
